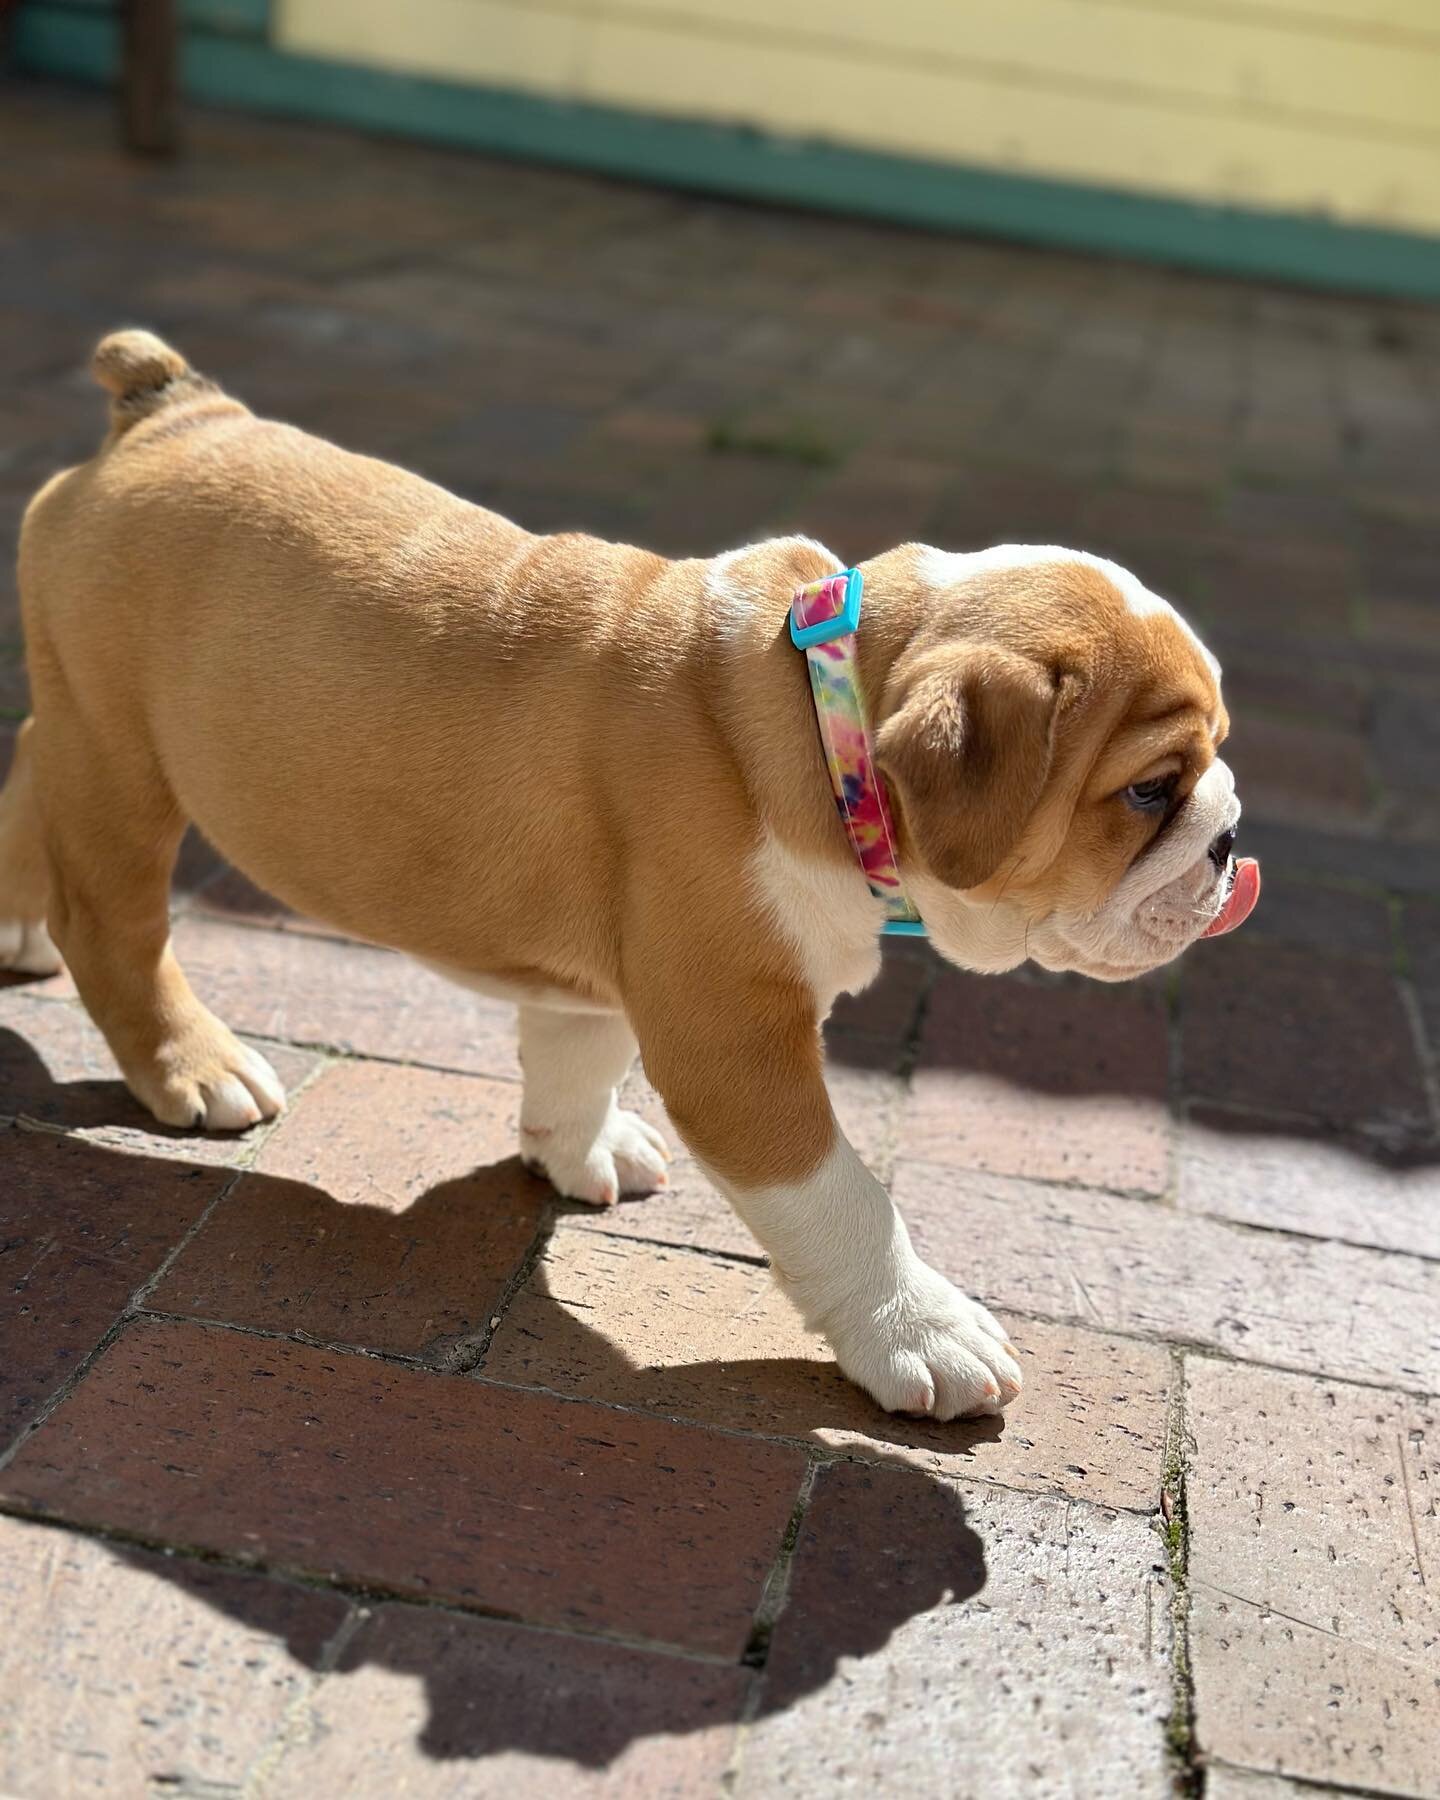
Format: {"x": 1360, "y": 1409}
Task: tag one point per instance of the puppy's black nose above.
{"x": 1221, "y": 848}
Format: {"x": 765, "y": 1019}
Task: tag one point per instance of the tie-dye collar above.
{"x": 823, "y": 619}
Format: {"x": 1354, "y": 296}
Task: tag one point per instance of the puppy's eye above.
{"x": 1150, "y": 796}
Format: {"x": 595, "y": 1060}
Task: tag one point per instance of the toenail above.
{"x": 1010, "y": 1348}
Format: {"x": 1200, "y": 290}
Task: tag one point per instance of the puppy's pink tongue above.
{"x": 1244, "y": 892}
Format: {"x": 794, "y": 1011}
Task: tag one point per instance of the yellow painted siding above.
{"x": 1317, "y": 106}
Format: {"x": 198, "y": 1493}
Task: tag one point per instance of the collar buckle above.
{"x": 826, "y": 609}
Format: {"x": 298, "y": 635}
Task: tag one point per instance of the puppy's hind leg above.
{"x": 572, "y": 1126}
{"x": 25, "y": 945}
{"x": 112, "y": 828}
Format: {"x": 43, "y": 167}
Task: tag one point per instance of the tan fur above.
{"x": 543, "y": 760}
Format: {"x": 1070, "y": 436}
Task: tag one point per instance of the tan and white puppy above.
{"x": 587, "y": 778}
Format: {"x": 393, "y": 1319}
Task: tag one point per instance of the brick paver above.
{"x": 84, "y": 1229}
{"x": 1326, "y": 919}
{"x": 1130, "y": 1266}
{"x": 388, "y": 1211}
{"x": 1064, "y": 1082}
{"x": 1246, "y": 1014}
{"x": 1315, "y": 1614}
{"x": 341, "y": 1457}
{"x": 698, "y": 1338}
{"x": 429, "y": 1702}
{"x": 1238, "y": 1166}
{"x": 123, "y": 1671}
{"x": 512, "y": 1502}
{"x": 951, "y": 1638}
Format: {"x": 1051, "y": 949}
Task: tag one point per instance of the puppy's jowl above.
{"x": 603, "y": 784}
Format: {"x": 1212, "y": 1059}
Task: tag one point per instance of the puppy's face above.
{"x": 1050, "y": 734}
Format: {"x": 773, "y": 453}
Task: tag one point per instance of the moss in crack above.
{"x": 1173, "y": 1527}
{"x": 777, "y": 1586}
{"x": 796, "y": 443}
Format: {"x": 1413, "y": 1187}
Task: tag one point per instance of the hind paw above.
{"x": 26, "y": 948}
{"x": 208, "y": 1080}
{"x": 628, "y": 1157}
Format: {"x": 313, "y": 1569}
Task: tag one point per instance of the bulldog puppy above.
{"x": 589, "y": 779}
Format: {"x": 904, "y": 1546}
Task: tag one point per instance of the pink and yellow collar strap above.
{"x": 824, "y": 617}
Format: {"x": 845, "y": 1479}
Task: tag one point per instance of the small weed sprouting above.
{"x": 786, "y": 443}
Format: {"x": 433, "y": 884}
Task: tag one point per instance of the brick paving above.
{"x": 342, "y": 1459}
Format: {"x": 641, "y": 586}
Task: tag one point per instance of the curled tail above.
{"x": 141, "y": 374}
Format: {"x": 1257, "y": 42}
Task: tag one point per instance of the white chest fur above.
{"x": 825, "y": 913}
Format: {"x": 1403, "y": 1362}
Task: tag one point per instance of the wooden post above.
{"x": 149, "y": 77}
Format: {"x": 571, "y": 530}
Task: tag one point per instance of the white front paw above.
{"x": 628, "y": 1157}
{"x": 925, "y": 1348}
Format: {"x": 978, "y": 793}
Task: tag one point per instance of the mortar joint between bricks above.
{"x": 777, "y": 1583}
{"x": 466, "y": 1355}
{"x": 136, "y": 1302}
{"x": 1400, "y": 963}
{"x": 1425, "y": 1052}
{"x": 910, "y": 1045}
{"x": 296, "y": 1716}
{"x": 756, "y": 1654}
{"x": 62, "y": 1393}
{"x": 189, "y": 1787}
{"x": 1174, "y": 1528}
{"x": 272, "y": 1334}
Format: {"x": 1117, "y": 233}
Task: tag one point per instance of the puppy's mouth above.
{"x": 1243, "y": 890}
{"x": 1221, "y": 890}
{"x": 1212, "y": 897}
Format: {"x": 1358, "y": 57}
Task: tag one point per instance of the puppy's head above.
{"x": 1049, "y": 734}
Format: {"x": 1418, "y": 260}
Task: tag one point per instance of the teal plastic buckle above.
{"x": 840, "y": 624}
{"x": 904, "y": 928}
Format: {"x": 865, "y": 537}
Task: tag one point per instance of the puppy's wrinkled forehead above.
{"x": 1084, "y": 615}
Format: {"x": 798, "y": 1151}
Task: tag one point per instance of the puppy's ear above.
{"x": 966, "y": 751}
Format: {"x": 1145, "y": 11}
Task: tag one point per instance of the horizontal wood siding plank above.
{"x": 1078, "y": 136}
{"x": 1119, "y": 35}
{"x": 539, "y": 47}
{"x": 1247, "y": 62}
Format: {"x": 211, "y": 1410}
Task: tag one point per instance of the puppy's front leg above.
{"x": 840, "y": 1249}
{"x": 755, "y": 1111}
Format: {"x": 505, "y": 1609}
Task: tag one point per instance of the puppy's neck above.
{"x": 769, "y": 712}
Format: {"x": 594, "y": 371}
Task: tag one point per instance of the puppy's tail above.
{"x": 141, "y": 374}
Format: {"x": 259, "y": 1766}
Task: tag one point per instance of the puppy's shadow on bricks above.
{"x": 472, "y": 1466}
